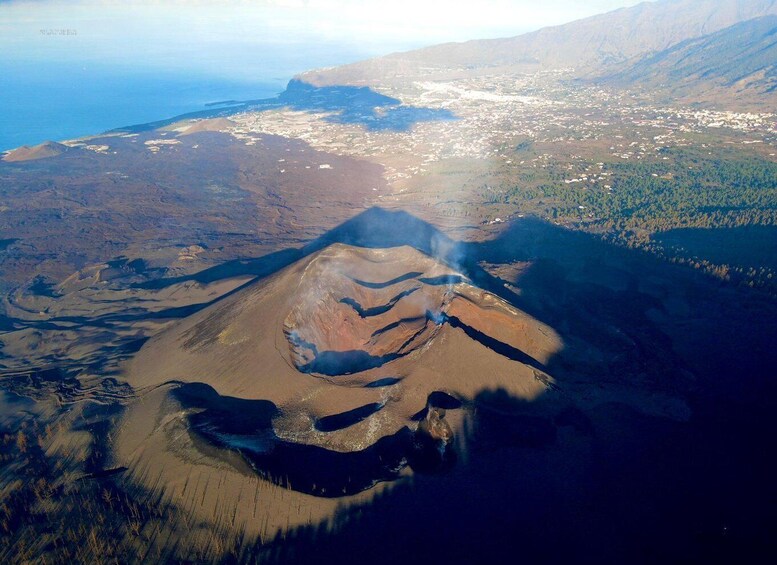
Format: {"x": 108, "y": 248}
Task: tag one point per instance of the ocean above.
{"x": 73, "y": 69}
{"x": 62, "y": 101}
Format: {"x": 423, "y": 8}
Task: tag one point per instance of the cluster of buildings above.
{"x": 518, "y": 122}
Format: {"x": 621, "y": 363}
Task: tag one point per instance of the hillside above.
{"x": 739, "y": 62}
{"x": 42, "y": 151}
{"x": 589, "y": 46}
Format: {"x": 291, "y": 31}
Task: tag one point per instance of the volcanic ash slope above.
{"x": 320, "y": 387}
{"x": 346, "y": 329}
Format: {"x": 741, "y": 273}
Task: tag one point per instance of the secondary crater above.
{"x": 358, "y": 310}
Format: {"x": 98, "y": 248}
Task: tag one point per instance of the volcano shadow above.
{"x": 373, "y": 228}
{"x": 344, "y": 104}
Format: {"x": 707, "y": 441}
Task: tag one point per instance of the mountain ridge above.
{"x": 737, "y": 61}
{"x": 590, "y": 48}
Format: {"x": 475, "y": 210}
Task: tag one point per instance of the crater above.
{"x": 355, "y": 311}
{"x": 351, "y": 367}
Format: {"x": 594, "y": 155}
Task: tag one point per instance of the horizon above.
{"x": 110, "y": 32}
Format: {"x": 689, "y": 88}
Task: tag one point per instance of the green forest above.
{"x": 630, "y": 201}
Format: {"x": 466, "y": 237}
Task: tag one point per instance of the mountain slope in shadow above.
{"x": 588, "y": 389}
{"x": 740, "y": 61}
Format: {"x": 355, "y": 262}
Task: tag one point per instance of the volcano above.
{"x": 353, "y": 357}
{"x": 42, "y": 151}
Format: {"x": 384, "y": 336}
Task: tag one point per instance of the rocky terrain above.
{"x": 737, "y": 62}
{"x": 479, "y": 302}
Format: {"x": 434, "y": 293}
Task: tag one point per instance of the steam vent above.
{"x": 349, "y": 368}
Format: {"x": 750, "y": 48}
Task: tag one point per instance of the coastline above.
{"x": 78, "y": 114}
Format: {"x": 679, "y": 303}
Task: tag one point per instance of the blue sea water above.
{"x": 61, "y": 101}
{"x": 58, "y": 95}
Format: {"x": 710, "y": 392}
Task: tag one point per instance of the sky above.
{"x": 168, "y": 32}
